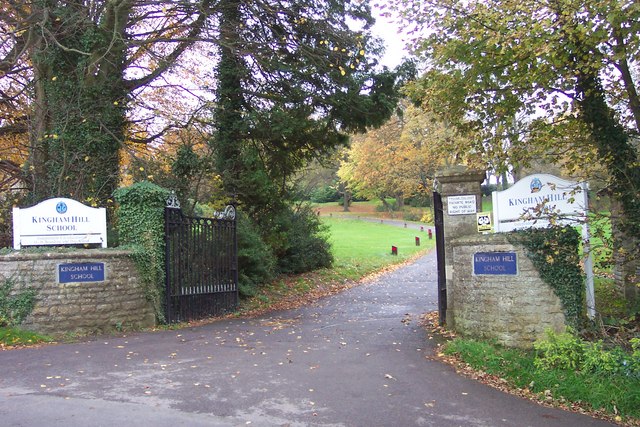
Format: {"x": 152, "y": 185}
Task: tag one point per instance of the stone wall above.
{"x": 84, "y": 307}
{"x": 515, "y": 310}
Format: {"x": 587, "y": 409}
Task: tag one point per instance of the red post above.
{"x": 430, "y": 234}
{"x": 421, "y": 228}
{"x": 417, "y": 241}
{"x": 394, "y": 250}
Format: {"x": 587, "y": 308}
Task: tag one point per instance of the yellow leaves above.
{"x": 54, "y": 78}
{"x": 361, "y": 52}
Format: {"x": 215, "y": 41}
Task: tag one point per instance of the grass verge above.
{"x": 614, "y": 397}
{"x": 12, "y": 337}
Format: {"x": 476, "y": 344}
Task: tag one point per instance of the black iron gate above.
{"x": 438, "y": 219}
{"x": 201, "y": 264}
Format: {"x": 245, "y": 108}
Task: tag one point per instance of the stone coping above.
{"x": 22, "y": 255}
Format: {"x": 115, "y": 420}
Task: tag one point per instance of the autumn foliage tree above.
{"x": 401, "y": 158}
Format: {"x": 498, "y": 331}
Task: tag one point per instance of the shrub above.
{"x": 421, "y": 200}
{"x": 411, "y": 215}
{"x": 569, "y": 352}
{"x": 427, "y": 217}
{"x": 597, "y": 359}
{"x": 562, "y": 351}
{"x": 256, "y": 262}
{"x": 300, "y": 241}
{"x": 324, "y": 194}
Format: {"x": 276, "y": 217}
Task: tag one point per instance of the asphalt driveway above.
{"x": 359, "y": 358}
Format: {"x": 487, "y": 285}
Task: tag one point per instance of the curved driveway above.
{"x": 359, "y": 358}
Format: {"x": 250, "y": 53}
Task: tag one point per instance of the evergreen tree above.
{"x": 293, "y": 79}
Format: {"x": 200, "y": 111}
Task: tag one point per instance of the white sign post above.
{"x": 59, "y": 221}
{"x": 537, "y": 201}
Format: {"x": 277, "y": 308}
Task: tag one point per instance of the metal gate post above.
{"x": 438, "y": 219}
{"x": 171, "y": 209}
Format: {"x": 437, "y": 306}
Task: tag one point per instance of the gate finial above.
{"x": 172, "y": 201}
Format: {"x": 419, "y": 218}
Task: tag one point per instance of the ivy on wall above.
{"x": 140, "y": 217}
{"x": 554, "y": 253}
{"x": 14, "y": 307}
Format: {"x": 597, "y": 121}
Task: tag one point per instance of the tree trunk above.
{"x": 78, "y": 118}
{"x": 346, "y": 200}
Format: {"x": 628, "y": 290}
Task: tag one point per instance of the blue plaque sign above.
{"x": 495, "y": 263}
{"x": 81, "y": 272}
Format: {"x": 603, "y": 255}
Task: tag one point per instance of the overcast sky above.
{"x": 389, "y": 32}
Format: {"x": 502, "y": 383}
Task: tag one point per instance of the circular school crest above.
{"x": 536, "y": 185}
{"x": 61, "y": 207}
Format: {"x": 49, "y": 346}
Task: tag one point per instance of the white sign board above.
{"x": 532, "y": 200}
{"x": 461, "y": 205}
{"x": 59, "y": 221}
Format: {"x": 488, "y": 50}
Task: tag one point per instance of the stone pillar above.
{"x": 461, "y": 199}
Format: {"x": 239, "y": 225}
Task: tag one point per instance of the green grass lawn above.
{"x": 360, "y": 247}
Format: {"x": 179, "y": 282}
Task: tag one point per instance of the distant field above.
{"x": 360, "y": 247}
{"x": 374, "y": 209}
{"x": 369, "y": 208}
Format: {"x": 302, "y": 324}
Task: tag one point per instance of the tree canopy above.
{"x": 492, "y": 63}
{"x": 69, "y": 71}
{"x": 72, "y": 76}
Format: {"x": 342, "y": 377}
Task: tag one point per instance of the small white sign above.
{"x": 59, "y": 221}
{"x": 461, "y": 205}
